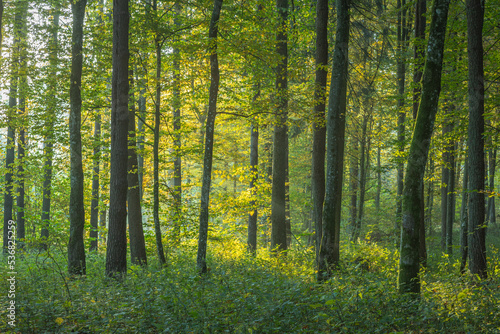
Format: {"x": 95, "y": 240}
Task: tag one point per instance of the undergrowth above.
{"x": 242, "y": 294}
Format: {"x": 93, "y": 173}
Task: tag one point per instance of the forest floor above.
{"x": 241, "y": 294}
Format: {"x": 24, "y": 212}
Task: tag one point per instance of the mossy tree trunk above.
{"x": 330, "y": 242}
{"x": 209, "y": 138}
{"x": 409, "y": 265}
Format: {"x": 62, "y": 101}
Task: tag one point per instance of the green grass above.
{"x": 241, "y": 294}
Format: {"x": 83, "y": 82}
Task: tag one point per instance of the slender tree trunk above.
{"x": 254, "y": 161}
{"x": 156, "y": 159}
{"x": 477, "y": 228}
{"x": 136, "y": 233}
{"x": 209, "y": 138}
{"x": 94, "y": 204}
{"x": 491, "y": 213}
{"x": 288, "y": 218}
{"x": 409, "y": 264}
{"x": 430, "y": 198}
{"x": 330, "y": 243}
{"x": 21, "y": 144}
{"x": 379, "y": 176}
{"x": 401, "y": 75}
{"x": 353, "y": 185}
{"x": 445, "y": 178}
{"x": 280, "y": 162}
{"x": 140, "y": 137}
{"x": 50, "y": 117}
{"x": 450, "y": 209}
{"x": 177, "y": 191}
{"x": 319, "y": 125}
{"x": 76, "y": 248}
{"x": 116, "y": 251}
{"x": 363, "y": 169}
{"x": 464, "y": 218}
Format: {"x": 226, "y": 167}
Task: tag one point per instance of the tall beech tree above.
{"x": 50, "y": 118}
{"x": 254, "y": 163}
{"x": 319, "y": 121}
{"x": 136, "y": 232}
{"x": 209, "y": 137}
{"x": 116, "y": 251}
{"x": 280, "y": 140}
{"x": 156, "y": 142}
{"x": 409, "y": 264}
{"x": 94, "y": 203}
{"x": 329, "y": 254}
{"x": 76, "y": 248}
{"x": 477, "y": 228}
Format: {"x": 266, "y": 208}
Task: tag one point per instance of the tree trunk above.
{"x": 353, "y": 186}
{"x": 477, "y": 228}
{"x": 116, "y": 252}
{"x": 76, "y": 248}
{"x": 445, "y": 178}
{"x": 330, "y": 242}
{"x": 450, "y": 202}
{"x": 401, "y": 75}
{"x": 94, "y": 204}
{"x": 464, "y": 218}
{"x": 409, "y": 264}
{"x": 491, "y": 216}
{"x": 363, "y": 170}
{"x": 50, "y": 118}
{"x": 135, "y": 230}
{"x": 21, "y": 144}
{"x": 319, "y": 125}
{"x": 254, "y": 161}
{"x": 209, "y": 138}
{"x": 176, "y": 91}
{"x": 280, "y": 162}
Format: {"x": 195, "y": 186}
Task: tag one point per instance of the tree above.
{"x": 136, "y": 233}
{"x": 477, "y": 229}
{"x": 209, "y": 137}
{"x": 329, "y": 255}
{"x": 319, "y": 122}
{"x": 409, "y": 263}
{"x": 280, "y": 140}
{"x": 76, "y": 248}
{"x": 116, "y": 252}
{"x": 48, "y": 142}
{"x": 156, "y": 145}
{"x": 94, "y": 204}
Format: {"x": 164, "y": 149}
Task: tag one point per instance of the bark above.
{"x": 254, "y": 161}
{"x": 135, "y": 230}
{"x": 319, "y": 125}
{"x": 464, "y": 218}
{"x": 445, "y": 178}
{"x": 450, "y": 209}
{"x": 156, "y": 158}
{"x": 353, "y": 186}
{"x": 363, "y": 171}
{"x": 477, "y": 228}
{"x": 76, "y": 248}
{"x": 176, "y": 91}
{"x": 94, "y": 204}
{"x": 21, "y": 144}
{"x": 50, "y": 117}
{"x": 116, "y": 251}
{"x": 209, "y": 138}
{"x": 491, "y": 216}
{"x": 401, "y": 75}
{"x": 280, "y": 141}
{"x": 379, "y": 176}
{"x": 140, "y": 138}
{"x": 419, "y": 51}
{"x": 409, "y": 265}
{"x": 330, "y": 243}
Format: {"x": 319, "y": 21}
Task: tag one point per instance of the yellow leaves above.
{"x": 59, "y": 321}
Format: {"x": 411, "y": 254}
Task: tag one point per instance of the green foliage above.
{"x": 241, "y": 294}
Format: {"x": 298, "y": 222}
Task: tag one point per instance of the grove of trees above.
{"x": 293, "y": 128}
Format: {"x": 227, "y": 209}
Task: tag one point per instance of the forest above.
{"x": 250, "y": 166}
